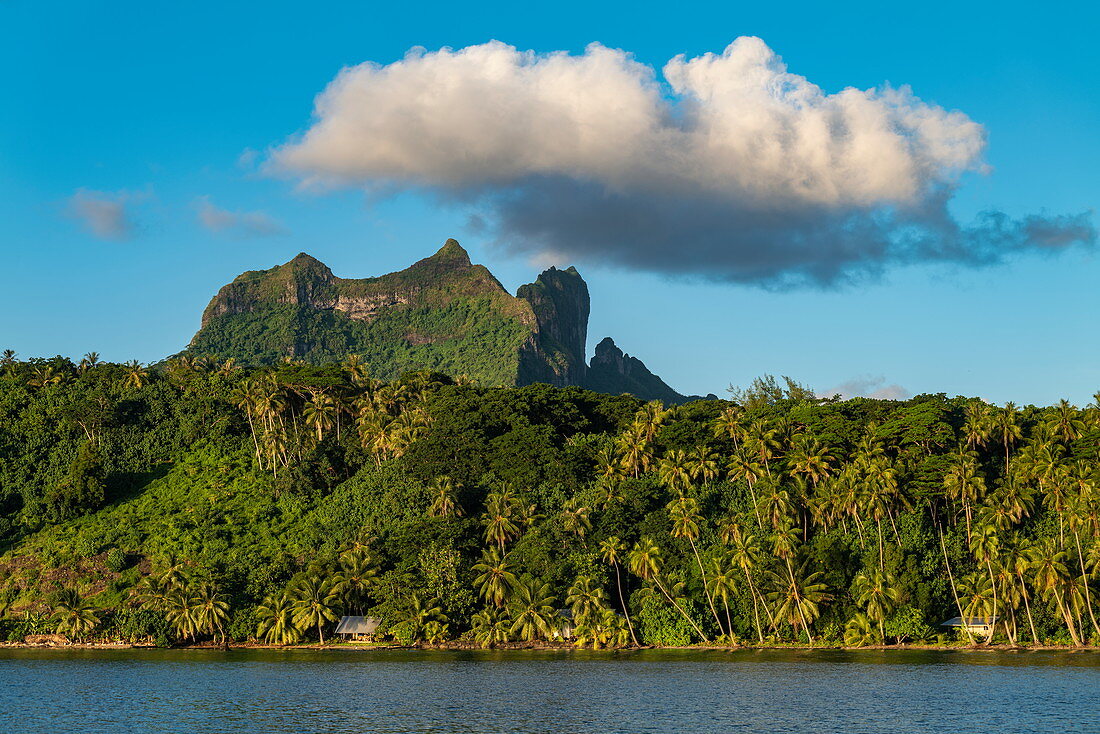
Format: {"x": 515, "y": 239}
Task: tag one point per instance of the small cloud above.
{"x": 103, "y": 213}
{"x": 867, "y": 386}
{"x": 248, "y": 159}
{"x": 240, "y": 224}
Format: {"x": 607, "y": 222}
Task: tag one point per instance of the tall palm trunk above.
{"x": 755, "y": 607}
{"x": 1085, "y": 582}
{"x": 954, "y": 590}
{"x": 622, "y": 601}
{"x": 1027, "y": 606}
{"x": 706, "y": 589}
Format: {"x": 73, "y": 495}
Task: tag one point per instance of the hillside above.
{"x": 443, "y": 313}
{"x": 203, "y": 500}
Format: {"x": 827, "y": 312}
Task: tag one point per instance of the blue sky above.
{"x": 155, "y": 105}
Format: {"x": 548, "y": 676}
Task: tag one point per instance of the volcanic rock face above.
{"x": 615, "y": 372}
{"x": 442, "y": 313}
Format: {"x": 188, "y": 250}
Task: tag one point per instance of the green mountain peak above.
{"x": 441, "y": 313}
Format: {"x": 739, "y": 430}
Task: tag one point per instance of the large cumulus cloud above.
{"x": 725, "y": 166}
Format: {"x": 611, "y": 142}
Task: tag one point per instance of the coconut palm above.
{"x": 73, "y": 615}
{"x": 964, "y": 484}
{"x": 604, "y": 628}
{"x": 644, "y": 562}
{"x": 276, "y": 616}
{"x": 585, "y": 597}
{"x": 746, "y": 554}
{"x": 136, "y": 375}
{"x": 314, "y": 601}
{"x": 798, "y": 598}
{"x": 356, "y": 578}
{"x": 1066, "y": 422}
{"x": 878, "y": 594}
{"x": 491, "y": 625}
{"x": 444, "y": 492}
{"x": 320, "y": 413}
{"x": 500, "y": 518}
{"x": 212, "y": 611}
{"x": 1049, "y": 576}
{"x": 684, "y": 512}
{"x": 611, "y": 550}
{"x": 575, "y": 517}
{"x": 858, "y": 632}
{"x": 702, "y": 465}
{"x": 421, "y": 612}
{"x": 532, "y": 609}
{"x": 1006, "y": 427}
{"x": 496, "y": 578}
{"x": 672, "y": 471}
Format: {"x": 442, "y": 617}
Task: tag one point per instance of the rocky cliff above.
{"x": 442, "y": 313}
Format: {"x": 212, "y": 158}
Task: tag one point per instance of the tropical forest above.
{"x": 207, "y": 502}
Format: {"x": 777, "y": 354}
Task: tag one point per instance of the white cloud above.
{"x": 216, "y": 219}
{"x": 730, "y": 167}
{"x": 103, "y": 213}
{"x": 867, "y": 386}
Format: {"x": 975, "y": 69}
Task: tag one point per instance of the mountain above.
{"x": 442, "y": 313}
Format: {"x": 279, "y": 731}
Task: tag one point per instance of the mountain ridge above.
{"x": 443, "y": 312}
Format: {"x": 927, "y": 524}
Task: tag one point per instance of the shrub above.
{"x": 116, "y": 560}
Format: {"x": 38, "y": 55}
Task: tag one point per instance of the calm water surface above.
{"x": 651, "y": 691}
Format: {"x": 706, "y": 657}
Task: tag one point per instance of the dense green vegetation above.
{"x": 202, "y": 501}
{"x": 465, "y": 336}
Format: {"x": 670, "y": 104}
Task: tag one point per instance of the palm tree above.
{"x": 1049, "y": 574}
{"x": 857, "y": 632}
{"x": 423, "y": 611}
{"x": 499, "y": 519}
{"x": 811, "y": 459}
{"x": 1006, "y": 425}
{"x": 496, "y": 578}
{"x": 320, "y": 413}
{"x": 445, "y": 498}
{"x": 1066, "y": 422}
{"x": 798, "y": 599}
{"x": 746, "y": 554}
{"x": 644, "y": 562}
{"x": 356, "y": 578}
{"x": 672, "y": 471}
{"x": 491, "y": 625}
{"x": 743, "y": 467}
{"x": 73, "y": 615}
{"x": 977, "y": 424}
{"x": 276, "y": 616}
{"x": 183, "y": 612}
{"x": 985, "y": 545}
{"x": 575, "y": 517}
{"x": 611, "y": 550}
{"x": 91, "y": 359}
{"x": 702, "y": 465}
{"x": 314, "y": 600}
{"x": 212, "y": 611}
{"x": 1017, "y": 557}
{"x": 633, "y": 447}
{"x": 684, "y": 512}
{"x": 724, "y": 585}
{"x": 877, "y": 593}
{"x": 585, "y": 598}
{"x": 728, "y": 424}
{"x": 977, "y": 594}
{"x": 136, "y": 375}
{"x": 532, "y": 609}
{"x": 964, "y": 484}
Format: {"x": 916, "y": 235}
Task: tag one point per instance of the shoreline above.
{"x": 461, "y": 646}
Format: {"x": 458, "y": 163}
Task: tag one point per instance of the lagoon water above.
{"x": 575, "y": 692}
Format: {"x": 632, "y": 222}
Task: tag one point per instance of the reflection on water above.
{"x": 649, "y": 691}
